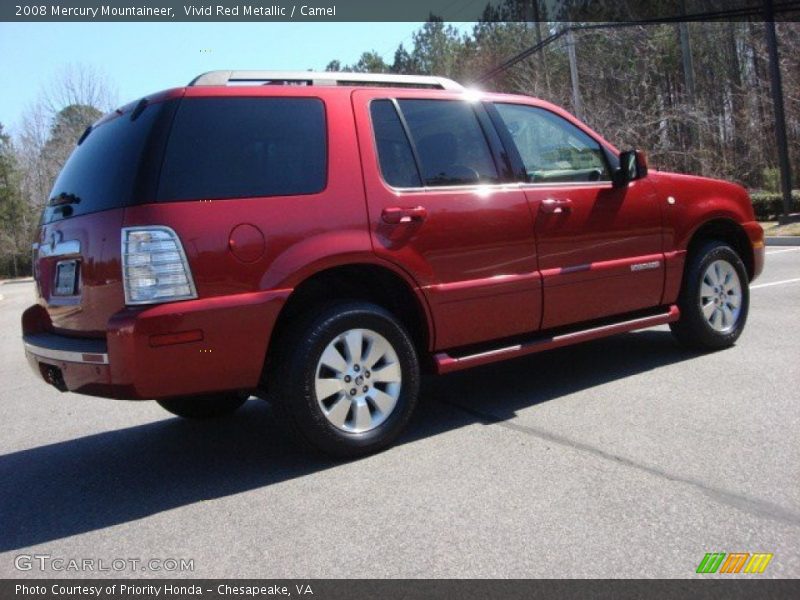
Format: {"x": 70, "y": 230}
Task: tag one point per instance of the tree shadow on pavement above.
{"x": 72, "y": 487}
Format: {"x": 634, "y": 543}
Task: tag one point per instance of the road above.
{"x": 625, "y": 457}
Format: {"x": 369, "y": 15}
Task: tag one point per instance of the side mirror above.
{"x": 632, "y": 166}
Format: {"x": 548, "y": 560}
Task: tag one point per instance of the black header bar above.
{"x": 396, "y": 589}
{"x": 407, "y": 10}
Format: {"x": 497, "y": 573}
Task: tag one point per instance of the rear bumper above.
{"x": 182, "y": 348}
{"x": 75, "y": 350}
{"x": 80, "y": 365}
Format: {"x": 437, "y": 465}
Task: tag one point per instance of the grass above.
{"x": 775, "y": 229}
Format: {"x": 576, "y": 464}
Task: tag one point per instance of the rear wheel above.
{"x": 714, "y": 300}
{"x": 349, "y": 379}
{"x": 204, "y": 407}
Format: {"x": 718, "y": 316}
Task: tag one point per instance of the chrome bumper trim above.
{"x": 92, "y": 358}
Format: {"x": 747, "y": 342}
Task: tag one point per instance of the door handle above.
{"x": 556, "y": 207}
{"x": 395, "y": 215}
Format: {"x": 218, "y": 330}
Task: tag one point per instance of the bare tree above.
{"x": 79, "y": 85}
{"x": 71, "y": 101}
{"x": 30, "y": 142}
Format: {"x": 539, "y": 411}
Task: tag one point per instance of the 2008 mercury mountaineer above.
{"x": 326, "y": 240}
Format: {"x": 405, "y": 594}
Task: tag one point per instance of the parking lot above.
{"x": 625, "y": 457}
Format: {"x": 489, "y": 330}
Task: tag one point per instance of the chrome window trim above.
{"x": 606, "y": 183}
{"x": 501, "y": 186}
{"x": 508, "y": 185}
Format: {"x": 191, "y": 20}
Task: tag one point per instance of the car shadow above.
{"x": 81, "y": 485}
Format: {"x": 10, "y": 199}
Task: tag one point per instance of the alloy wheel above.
{"x": 358, "y": 380}
{"x": 721, "y": 296}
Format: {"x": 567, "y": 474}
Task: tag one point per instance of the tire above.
{"x": 714, "y": 299}
{"x": 348, "y": 379}
{"x": 204, "y": 407}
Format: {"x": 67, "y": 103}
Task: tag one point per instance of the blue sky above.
{"x": 140, "y": 58}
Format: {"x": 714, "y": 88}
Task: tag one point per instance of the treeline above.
{"x": 701, "y": 106}
{"x": 30, "y": 162}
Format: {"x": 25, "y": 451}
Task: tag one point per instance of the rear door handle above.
{"x": 396, "y": 214}
{"x": 556, "y": 207}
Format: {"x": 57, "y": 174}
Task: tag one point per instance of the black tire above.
{"x": 694, "y": 330}
{"x": 293, "y": 378}
{"x": 204, "y": 407}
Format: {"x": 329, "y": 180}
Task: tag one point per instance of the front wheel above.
{"x": 349, "y": 379}
{"x": 714, "y": 299}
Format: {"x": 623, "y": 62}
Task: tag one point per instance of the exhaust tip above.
{"x": 53, "y": 375}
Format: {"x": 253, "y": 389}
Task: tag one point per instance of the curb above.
{"x": 18, "y": 280}
{"x": 788, "y": 240}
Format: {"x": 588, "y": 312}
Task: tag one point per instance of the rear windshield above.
{"x": 101, "y": 173}
{"x": 245, "y": 147}
{"x": 202, "y": 148}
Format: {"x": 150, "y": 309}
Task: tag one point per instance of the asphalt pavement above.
{"x": 624, "y": 457}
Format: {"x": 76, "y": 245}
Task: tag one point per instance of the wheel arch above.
{"x": 368, "y": 281}
{"x": 729, "y": 231}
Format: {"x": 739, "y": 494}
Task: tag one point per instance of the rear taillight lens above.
{"x": 154, "y": 266}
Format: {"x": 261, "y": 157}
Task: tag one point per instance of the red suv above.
{"x": 322, "y": 237}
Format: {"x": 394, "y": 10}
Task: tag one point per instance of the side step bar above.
{"x": 447, "y": 364}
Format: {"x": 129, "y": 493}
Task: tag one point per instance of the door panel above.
{"x": 599, "y": 247}
{"x": 469, "y": 247}
{"x": 602, "y": 256}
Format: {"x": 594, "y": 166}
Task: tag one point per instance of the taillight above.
{"x": 154, "y": 266}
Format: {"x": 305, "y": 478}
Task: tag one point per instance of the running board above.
{"x": 447, "y": 364}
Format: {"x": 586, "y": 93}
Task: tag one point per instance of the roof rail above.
{"x": 323, "y": 78}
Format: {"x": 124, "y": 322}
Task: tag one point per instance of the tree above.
{"x": 403, "y": 62}
{"x": 632, "y": 82}
{"x": 67, "y": 127}
{"x": 75, "y": 98}
{"x": 14, "y": 214}
{"x": 437, "y": 48}
{"x": 370, "y": 62}
{"x": 79, "y": 85}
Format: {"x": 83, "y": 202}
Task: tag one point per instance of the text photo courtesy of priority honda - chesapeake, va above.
{"x": 419, "y": 302}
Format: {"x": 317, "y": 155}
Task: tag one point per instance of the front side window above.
{"x": 243, "y": 147}
{"x": 553, "y": 149}
{"x": 450, "y": 143}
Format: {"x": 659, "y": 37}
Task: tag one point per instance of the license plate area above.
{"x": 66, "y": 278}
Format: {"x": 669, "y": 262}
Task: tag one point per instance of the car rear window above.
{"x": 244, "y": 147}
{"x": 103, "y": 170}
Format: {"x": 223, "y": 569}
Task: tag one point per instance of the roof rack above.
{"x": 323, "y": 78}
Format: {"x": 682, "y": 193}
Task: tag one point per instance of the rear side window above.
{"x": 240, "y": 147}
{"x": 450, "y": 143}
{"x": 394, "y": 150}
